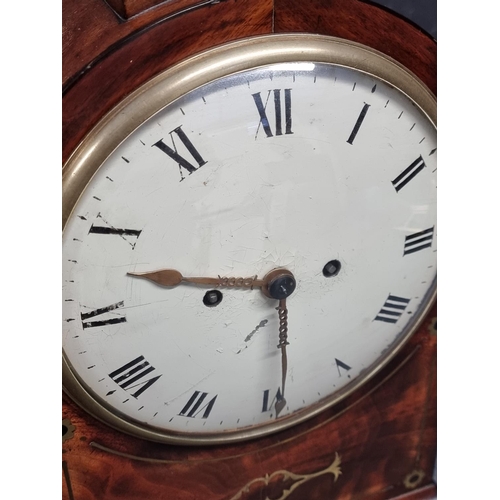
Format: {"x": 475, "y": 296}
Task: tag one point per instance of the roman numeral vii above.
{"x": 195, "y": 405}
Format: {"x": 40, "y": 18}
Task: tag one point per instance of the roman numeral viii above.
{"x": 261, "y": 108}
{"x": 98, "y": 312}
{"x": 418, "y": 241}
{"x": 194, "y": 406}
{"x": 133, "y": 374}
{"x": 172, "y": 153}
{"x": 392, "y": 309}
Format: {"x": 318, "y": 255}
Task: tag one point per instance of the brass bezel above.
{"x": 149, "y": 99}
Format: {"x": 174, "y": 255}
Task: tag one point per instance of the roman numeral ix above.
{"x": 392, "y": 309}
{"x": 194, "y": 406}
{"x": 180, "y": 160}
{"x": 132, "y": 374}
{"x": 261, "y": 108}
{"x": 98, "y": 312}
{"x": 418, "y": 241}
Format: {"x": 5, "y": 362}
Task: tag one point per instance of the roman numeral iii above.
{"x": 392, "y": 309}
{"x": 132, "y": 375}
{"x": 194, "y": 406}
{"x": 98, "y": 312}
{"x": 418, "y": 241}
{"x": 261, "y": 108}
{"x": 172, "y": 153}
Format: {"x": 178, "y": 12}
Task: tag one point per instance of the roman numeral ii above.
{"x": 408, "y": 174}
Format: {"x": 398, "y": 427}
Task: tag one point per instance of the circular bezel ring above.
{"x": 186, "y": 76}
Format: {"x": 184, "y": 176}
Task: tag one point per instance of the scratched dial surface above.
{"x": 289, "y": 166}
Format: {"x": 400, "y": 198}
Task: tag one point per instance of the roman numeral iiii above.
{"x": 392, "y": 309}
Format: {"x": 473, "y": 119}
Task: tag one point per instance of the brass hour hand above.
{"x": 172, "y": 277}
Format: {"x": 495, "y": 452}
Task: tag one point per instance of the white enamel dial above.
{"x": 290, "y": 166}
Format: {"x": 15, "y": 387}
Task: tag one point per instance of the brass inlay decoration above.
{"x": 298, "y": 479}
{"x": 68, "y": 480}
{"x": 68, "y": 430}
{"x": 414, "y": 478}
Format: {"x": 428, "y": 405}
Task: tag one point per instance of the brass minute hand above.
{"x": 283, "y": 342}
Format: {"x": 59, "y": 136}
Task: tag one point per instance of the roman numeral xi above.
{"x": 264, "y": 120}
{"x": 181, "y": 160}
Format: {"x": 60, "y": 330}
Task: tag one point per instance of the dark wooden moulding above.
{"x": 381, "y": 441}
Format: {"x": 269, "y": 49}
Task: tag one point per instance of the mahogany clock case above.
{"x": 381, "y": 441}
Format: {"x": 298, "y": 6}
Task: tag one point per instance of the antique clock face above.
{"x": 247, "y": 239}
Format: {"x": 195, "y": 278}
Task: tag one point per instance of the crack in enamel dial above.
{"x": 297, "y": 163}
